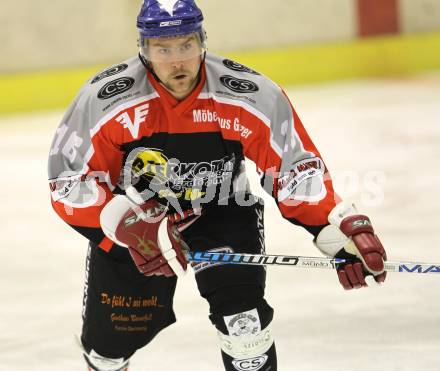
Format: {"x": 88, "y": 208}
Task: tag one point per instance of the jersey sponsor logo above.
{"x": 115, "y": 87}
{"x": 178, "y": 181}
{"x": 61, "y": 187}
{"x": 110, "y": 72}
{"x": 234, "y": 66}
{"x": 207, "y": 116}
{"x": 229, "y": 95}
{"x": 238, "y": 85}
{"x": 189, "y": 194}
{"x": 152, "y": 164}
{"x": 299, "y": 172}
{"x": 158, "y": 169}
{"x": 140, "y": 115}
{"x": 250, "y": 364}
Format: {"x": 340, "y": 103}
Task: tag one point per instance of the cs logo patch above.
{"x": 238, "y": 85}
{"x": 115, "y": 87}
{"x": 250, "y": 364}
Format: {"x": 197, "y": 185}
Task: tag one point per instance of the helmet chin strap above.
{"x": 147, "y": 65}
{"x": 150, "y": 69}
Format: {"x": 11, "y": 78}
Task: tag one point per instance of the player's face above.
{"x": 176, "y": 61}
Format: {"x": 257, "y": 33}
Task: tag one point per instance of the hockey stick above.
{"x": 300, "y": 261}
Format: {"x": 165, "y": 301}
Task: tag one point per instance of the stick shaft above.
{"x": 300, "y": 261}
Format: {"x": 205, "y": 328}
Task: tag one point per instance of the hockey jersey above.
{"x": 124, "y": 128}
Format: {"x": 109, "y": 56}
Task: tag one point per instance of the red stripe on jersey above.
{"x": 106, "y": 244}
{"x": 312, "y": 214}
{"x": 84, "y": 216}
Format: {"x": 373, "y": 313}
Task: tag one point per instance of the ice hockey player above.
{"x": 157, "y": 143}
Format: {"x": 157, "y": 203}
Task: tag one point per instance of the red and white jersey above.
{"x": 124, "y": 128}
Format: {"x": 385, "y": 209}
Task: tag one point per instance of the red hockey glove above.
{"x": 366, "y": 247}
{"x": 357, "y": 244}
{"x": 141, "y": 228}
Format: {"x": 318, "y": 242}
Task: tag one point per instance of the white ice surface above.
{"x": 379, "y": 138}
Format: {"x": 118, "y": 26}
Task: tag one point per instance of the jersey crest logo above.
{"x": 140, "y": 115}
{"x": 168, "y": 5}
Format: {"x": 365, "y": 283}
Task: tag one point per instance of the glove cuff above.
{"x": 341, "y": 211}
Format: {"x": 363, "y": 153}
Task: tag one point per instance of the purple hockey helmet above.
{"x": 162, "y": 18}
{"x": 169, "y": 18}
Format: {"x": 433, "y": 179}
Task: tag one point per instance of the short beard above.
{"x": 191, "y": 84}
